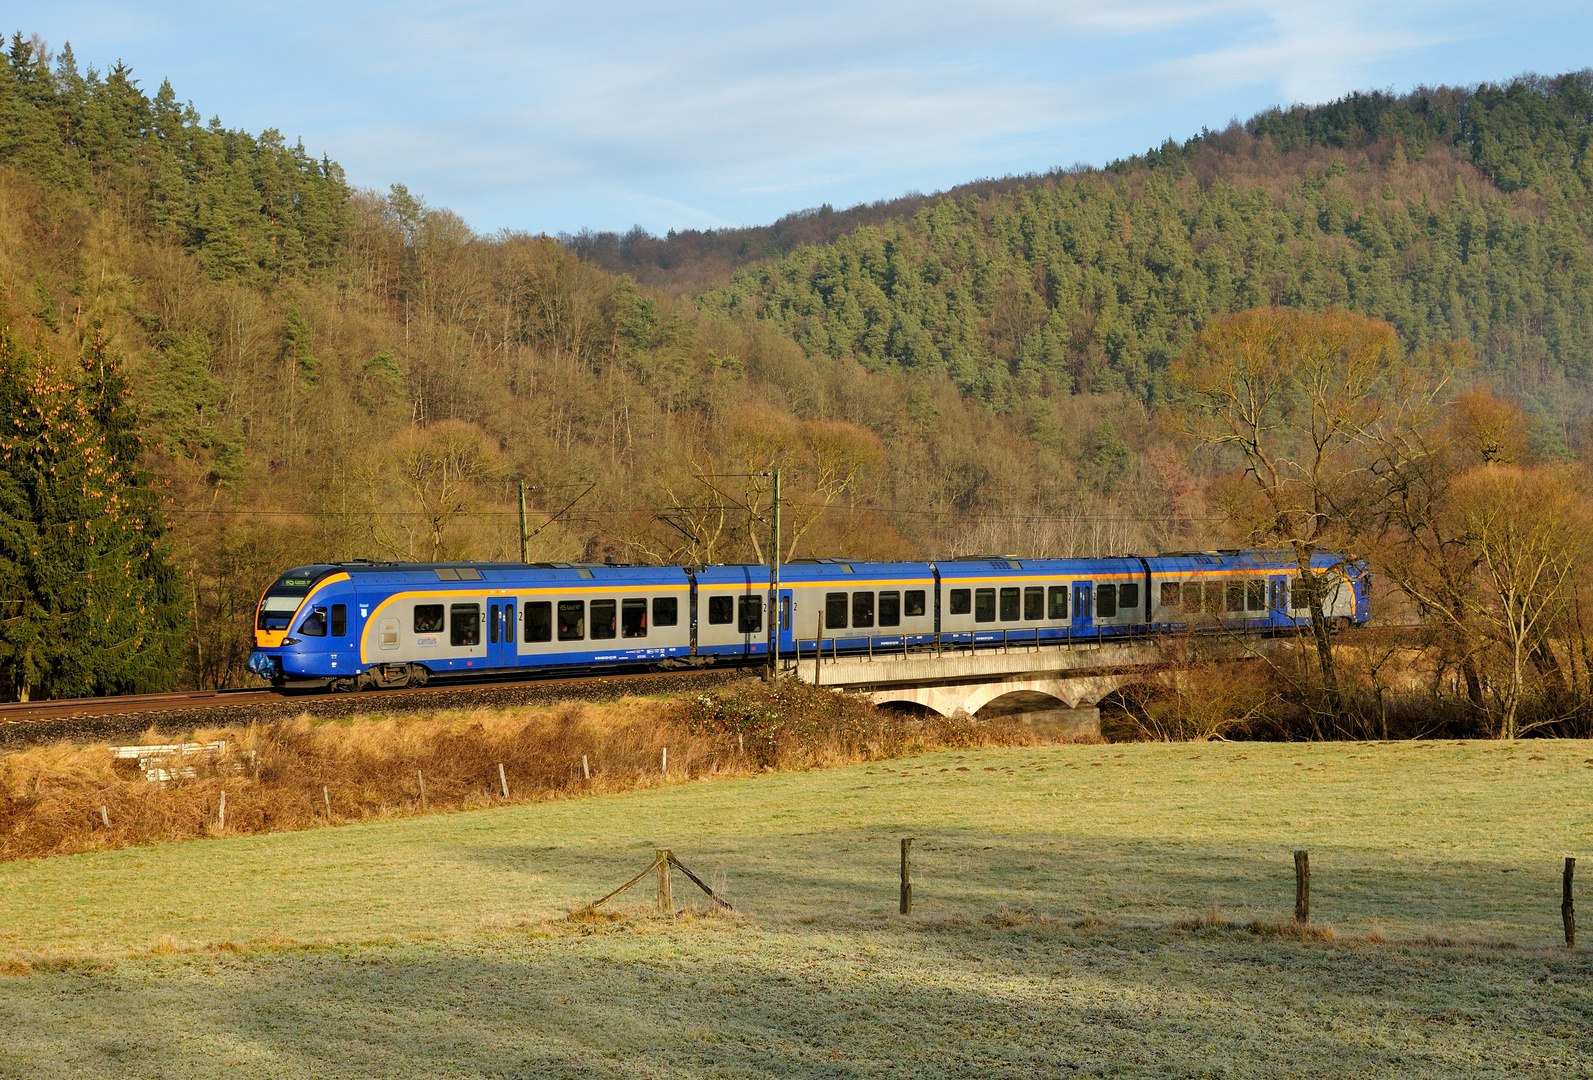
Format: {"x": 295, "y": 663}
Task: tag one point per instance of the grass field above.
{"x": 1050, "y": 885}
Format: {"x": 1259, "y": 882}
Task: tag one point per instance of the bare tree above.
{"x": 1530, "y": 530}
{"x": 1292, "y": 400}
{"x": 423, "y": 481}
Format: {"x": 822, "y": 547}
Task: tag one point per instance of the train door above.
{"x": 1083, "y": 605}
{"x": 1278, "y": 600}
{"x": 784, "y": 635}
{"x": 500, "y": 634}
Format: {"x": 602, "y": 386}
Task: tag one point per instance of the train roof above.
{"x": 304, "y": 577}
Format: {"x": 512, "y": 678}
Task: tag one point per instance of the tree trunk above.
{"x": 1468, "y": 666}
{"x": 1319, "y": 630}
{"x": 1548, "y": 664}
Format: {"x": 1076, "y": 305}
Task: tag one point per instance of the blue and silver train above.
{"x": 359, "y": 624}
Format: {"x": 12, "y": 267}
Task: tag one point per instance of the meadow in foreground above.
{"x": 1060, "y": 896}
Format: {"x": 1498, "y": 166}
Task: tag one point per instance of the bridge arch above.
{"x": 906, "y": 705}
{"x": 1020, "y": 703}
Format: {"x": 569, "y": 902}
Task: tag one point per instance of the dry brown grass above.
{"x": 274, "y": 773}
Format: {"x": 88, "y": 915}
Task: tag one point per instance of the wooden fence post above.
{"x": 221, "y": 814}
{"x": 503, "y": 777}
{"x": 422, "y": 778}
{"x": 586, "y": 770}
{"x": 666, "y": 897}
{"x": 907, "y": 876}
{"x": 105, "y": 816}
{"x": 327, "y": 797}
{"x": 1567, "y": 911}
{"x": 1302, "y": 887}
{"x": 664, "y": 768}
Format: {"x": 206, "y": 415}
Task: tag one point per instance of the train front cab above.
{"x": 1250, "y": 591}
{"x": 307, "y": 627}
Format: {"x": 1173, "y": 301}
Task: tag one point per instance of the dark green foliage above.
{"x": 89, "y": 603}
{"x": 1095, "y": 281}
{"x": 251, "y": 206}
{"x": 185, "y": 408}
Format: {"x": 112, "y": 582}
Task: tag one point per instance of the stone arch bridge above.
{"x": 1054, "y": 687}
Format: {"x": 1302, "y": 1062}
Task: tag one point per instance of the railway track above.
{"x": 25, "y": 723}
{"x": 21, "y": 712}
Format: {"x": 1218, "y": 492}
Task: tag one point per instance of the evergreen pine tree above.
{"x": 89, "y": 603}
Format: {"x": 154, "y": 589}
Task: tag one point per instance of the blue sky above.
{"x": 554, "y": 116}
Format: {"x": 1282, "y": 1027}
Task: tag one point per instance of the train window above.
{"x": 339, "y": 620}
{"x": 1081, "y": 600}
{"x": 1033, "y": 604}
{"x": 984, "y": 605}
{"x": 572, "y": 620}
{"x": 750, "y": 617}
{"x": 1170, "y": 597}
{"x": 721, "y": 609}
{"x": 1233, "y": 594}
{"x": 539, "y": 620}
{"x": 666, "y": 611}
{"x": 603, "y": 623}
{"x": 1300, "y": 588}
{"x": 314, "y": 624}
{"x": 835, "y": 611}
{"x": 862, "y": 610}
{"x": 464, "y": 624}
{"x": 915, "y": 603}
{"x": 959, "y": 604}
{"x": 890, "y": 609}
{"x": 1059, "y": 601}
{"x": 492, "y": 624}
{"x": 1106, "y": 601}
{"x": 1192, "y": 597}
{"x": 1128, "y": 597}
{"x": 633, "y": 618}
{"x": 785, "y": 613}
{"x": 1256, "y": 595}
{"x": 428, "y": 618}
{"x": 1009, "y": 605}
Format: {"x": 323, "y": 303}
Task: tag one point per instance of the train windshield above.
{"x": 277, "y": 609}
{"x": 284, "y": 597}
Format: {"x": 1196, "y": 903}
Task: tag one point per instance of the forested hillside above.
{"x": 323, "y": 373}
{"x": 1451, "y": 214}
